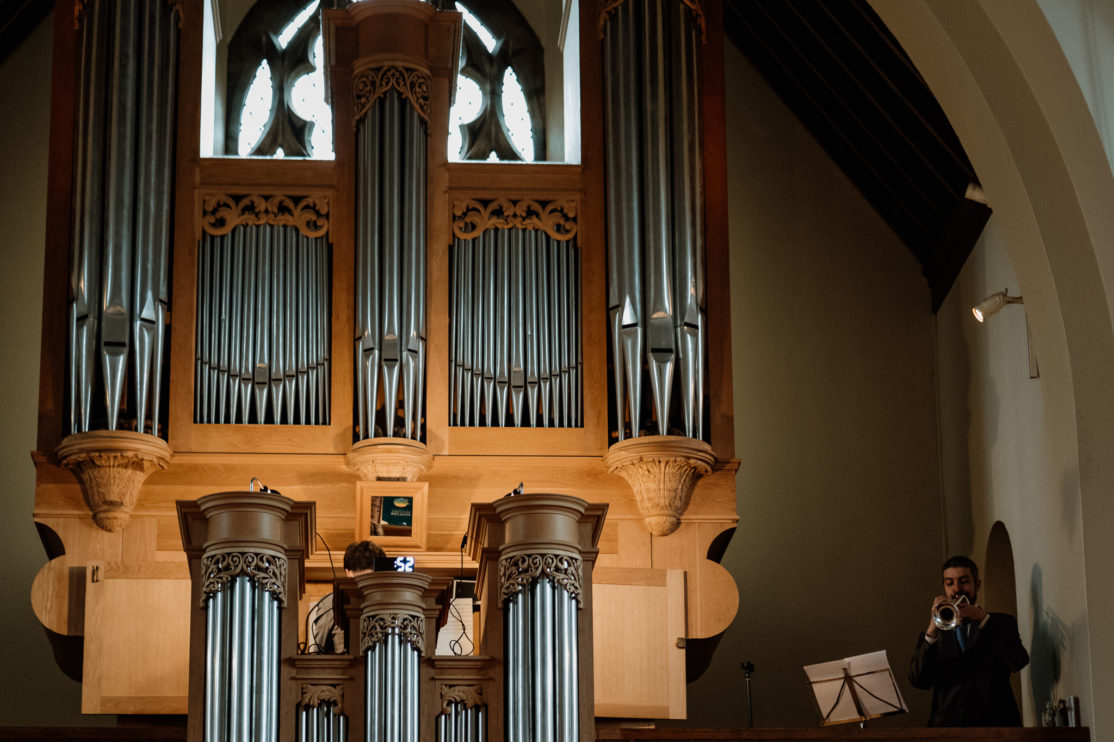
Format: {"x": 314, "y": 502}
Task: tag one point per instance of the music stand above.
{"x": 855, "y": 689}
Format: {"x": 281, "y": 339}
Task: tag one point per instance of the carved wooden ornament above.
{"x": 221, "y": 213}
{"x": 394, "y": 459}
{"x": 663, "y": 471}
{"x": 375, "y": 628}
{"x": 111, "y": 466}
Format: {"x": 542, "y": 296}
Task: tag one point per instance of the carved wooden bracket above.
{"x": 391, "y": 459}
{"x": 663, "y": 471}
{"x": 313, "y": 695}
{"x": 111, "y": 466}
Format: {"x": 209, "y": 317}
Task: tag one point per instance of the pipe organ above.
{"x": 387, "y": 330}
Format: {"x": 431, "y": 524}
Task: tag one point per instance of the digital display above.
{"x": 404, "y": 564}
{"x": 394, "y": 564}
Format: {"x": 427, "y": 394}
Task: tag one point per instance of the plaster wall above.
{"x": 839, "y": 541}
{"x": 998, "y": 466}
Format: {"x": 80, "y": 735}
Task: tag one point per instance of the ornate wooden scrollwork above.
{"x": 268, "y": 571}
{"x": 607, "y": 7}
{"x": 371, "y": 84}
{"x": 472, "y": 217}
{"x": 221, "y": 213}
{"x": 517, "y": 572}
{"x": 374, "y": 628}
{"x": 468, "y": 696}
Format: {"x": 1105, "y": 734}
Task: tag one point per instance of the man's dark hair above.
{"x": 361, "y": 555}
{"x": 961, "y": 562}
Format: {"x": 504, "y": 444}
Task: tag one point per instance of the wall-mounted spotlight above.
{"x": 993, "y": 304}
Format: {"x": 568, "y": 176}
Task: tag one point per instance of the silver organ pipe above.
{"x": 655, "y": 216}
{"x": 392, "y": 641}
{"x": 515, "y": 329}
{"x": 119, "y": 288}
{"x": 540, "y": 658}
{"x": 263, "y": 298}
{"x": 462, "y": 722}
{"x": 242, "y": 648}
{"x": 390, "y": 306}
{"x": 321, "y": 720}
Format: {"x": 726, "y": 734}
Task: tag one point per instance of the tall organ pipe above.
{"x": 119, "y": 288}
{"x": 390, "y": 269}
{"x": 392, "y": 630}
{"x": 655, "y": 216}
{"x": 241, "y": 663}
{"x": 541, "y": 647}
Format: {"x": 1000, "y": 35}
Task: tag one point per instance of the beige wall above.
{"x": 30, "y": 675}
{"x": 839, "y": 540}
{"x": 999, "y": 467}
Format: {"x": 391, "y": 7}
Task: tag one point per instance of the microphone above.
{"x": 262, "y": 487}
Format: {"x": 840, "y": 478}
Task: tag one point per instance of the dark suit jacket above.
{"x": 972, "y": 688}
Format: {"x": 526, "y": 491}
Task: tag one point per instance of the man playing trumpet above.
{"x": 966, "y": 655}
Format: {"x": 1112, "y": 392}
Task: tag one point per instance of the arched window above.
{"x": 266, "y": 83}
{"x": 499, "y": 111}
{"x": 274, "y": 92}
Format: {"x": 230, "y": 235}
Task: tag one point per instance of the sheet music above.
{"x": 872, "y": 673}
{"x": 875, "y": 688}
{"x": 835, "y": 703}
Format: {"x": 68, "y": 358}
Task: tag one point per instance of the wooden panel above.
{"x": 638, "y": 617}
{"x": 714, "y": 596}
{"x": 127, "y": 671}
{"x": 853, "y": 733}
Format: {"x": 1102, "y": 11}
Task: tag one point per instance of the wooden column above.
{"x": 229, "y": 526}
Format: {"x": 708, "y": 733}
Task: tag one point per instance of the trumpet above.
{"x": 946, "y": 615}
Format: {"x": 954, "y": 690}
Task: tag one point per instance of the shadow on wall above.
{"x": 1050, "y": 638}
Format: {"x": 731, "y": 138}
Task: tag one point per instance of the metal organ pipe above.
{"x": 540, "y": 632}
{"x": 241, "y": 662}
{"x": 515, "y": 331}
{"x": 127, "y": 63}
{"x": 262, "y": 340}
{"x": 391, "y": 268}
{"x": 655, "y": 214}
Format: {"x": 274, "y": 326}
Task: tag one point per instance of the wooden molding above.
{"x": 111, "y": 466}
{"x": 392, "y": 459}
{"x": 663, "y": 471}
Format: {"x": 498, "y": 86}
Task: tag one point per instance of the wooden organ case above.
{"x": 410, "y": 330}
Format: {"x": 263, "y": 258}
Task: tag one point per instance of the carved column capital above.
{"x": 663, "y": 471}
{"x": 394, "y": 459}
{"x": 111, "y": 466}
{"x": 517, "y": 572}
{"x": 267, "y": 571}
{"x": 374, "y": 628}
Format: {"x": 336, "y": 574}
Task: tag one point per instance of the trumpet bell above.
{"x": 946, "y": 615}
